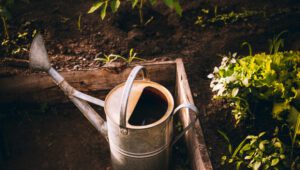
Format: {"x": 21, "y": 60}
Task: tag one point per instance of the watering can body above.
{"x": 145, "y": 146}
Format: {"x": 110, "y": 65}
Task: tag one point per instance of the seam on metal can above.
{"x": 138, "y": 155}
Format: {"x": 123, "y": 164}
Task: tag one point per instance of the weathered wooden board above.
{"x": 40, "y": 88}
{"x": 194, "y": 137}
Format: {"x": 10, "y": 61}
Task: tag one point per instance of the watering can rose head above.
{"x": 38, "y": 55}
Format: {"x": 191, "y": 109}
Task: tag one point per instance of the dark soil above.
{"x": 44, "y": 137}
{"x": 168, "y": 36}
{"x": 58, "y": 137}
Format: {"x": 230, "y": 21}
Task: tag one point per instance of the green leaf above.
{"x": 261, "y": 134}
{"x": 178, "y": 8}
{"x": 293, "y": 119}
{"x": 274, "y": 161}
{"x": 278, "y": 108}
{"x": 114, "y": 5}
{"x": 238, "y": 165}
{"x": 95, "y": 6}
{"x": 246, "y": 147}
{"x": 103, "y": 11}
{"x": 239, "y": 147}
{"x": 227, "y": 139}
{"x": 256, "y": 165}
{"x": 262, "y": 145}
{"x": 277, "y": 144}
{"x": 134, "y": 3}
{"x": 169, "y": 3}
{"x": 79, "y": 22}
{"x": 248, "y": 157}
{"x": 223, "y": 159}
{"x": 235, "y": 91}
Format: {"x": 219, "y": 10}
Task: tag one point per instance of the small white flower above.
{"x": 246, "y": 82}
{"x": 234, "y": 54}
{"x": 216, "y": 70}
{"x": 224, "y": 59}
{"x": 233, "y": 61}
{"x": 210, "y": 76}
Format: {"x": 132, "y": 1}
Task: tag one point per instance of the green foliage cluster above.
{"x": 267, "y": 87}
{"x": 106, "y": 59}
{"x": 272, "y": 77}
{"x": 213, "y": 17}
{"x": 17, "y": 43}
{"x": 114, "y": 5}
{"x": 256, "y": 152}
{"x": 13, "y": 44}
{"x": 207, "y": 18}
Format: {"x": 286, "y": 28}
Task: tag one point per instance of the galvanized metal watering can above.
{"x": 139, "y": 116}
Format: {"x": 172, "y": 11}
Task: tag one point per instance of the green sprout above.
{"x": 276, "y": 42}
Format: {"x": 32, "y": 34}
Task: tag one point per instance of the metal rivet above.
{"x": 124, "y": 131}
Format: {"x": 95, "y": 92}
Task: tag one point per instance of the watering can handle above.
{"x": 192, "y": 123}
{"x": 126, "y": 93}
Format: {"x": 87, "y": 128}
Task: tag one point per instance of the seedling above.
{"x": 115, "y": 4}
{"x": 132, "y": 56}
{"x": 113, "y": 57}
{"x": 106, "y": 59}
{"x": 276, "y": 42}
{"x": 79, "y": 22}
{"x": 249, "y": 47}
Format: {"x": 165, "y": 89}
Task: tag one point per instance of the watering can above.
{"x": 139, "y": 114}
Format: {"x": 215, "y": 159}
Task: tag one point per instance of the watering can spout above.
{"x": 39, "y": 60}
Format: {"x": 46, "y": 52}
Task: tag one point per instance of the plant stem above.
{"x": 141, "y": 12}
{"x": 5, "y": 27}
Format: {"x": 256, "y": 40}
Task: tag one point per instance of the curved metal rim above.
{"x": 167, "y": 115}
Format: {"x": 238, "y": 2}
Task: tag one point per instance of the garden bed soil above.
{"x": 167, "y": 36}
{"x": 59, "y": 137}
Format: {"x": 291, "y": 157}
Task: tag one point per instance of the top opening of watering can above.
{"x": 148, "y": 105}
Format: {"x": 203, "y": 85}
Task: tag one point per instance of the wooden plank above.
{"x": 194, "y": 137}
{"x": 39, "y": 87}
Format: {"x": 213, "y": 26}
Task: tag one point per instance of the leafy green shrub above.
{"x": 258, "y": 78}
{"x": 115, "y": 4}
{"x": 263, "y": 91}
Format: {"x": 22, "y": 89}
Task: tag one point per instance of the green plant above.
{"x": 132, "y": 56}
{"x": 108, "y": 58}
{"x": 17, "y": 44}
{"x": 224, "y": 18}
{"x": 5, "y": 15}
{"x": 113, "y": 57}
{"x": 276, "y": 42}
{"x": 115, "y": 4}
{"x": 256, "y": 152}
{"x": 273, "y": 77}
{"x": 263, "y": 91}
{"x": 220, "y": 17}
{"x": 79, "y": 22}
{"x": 249, "y": 47}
